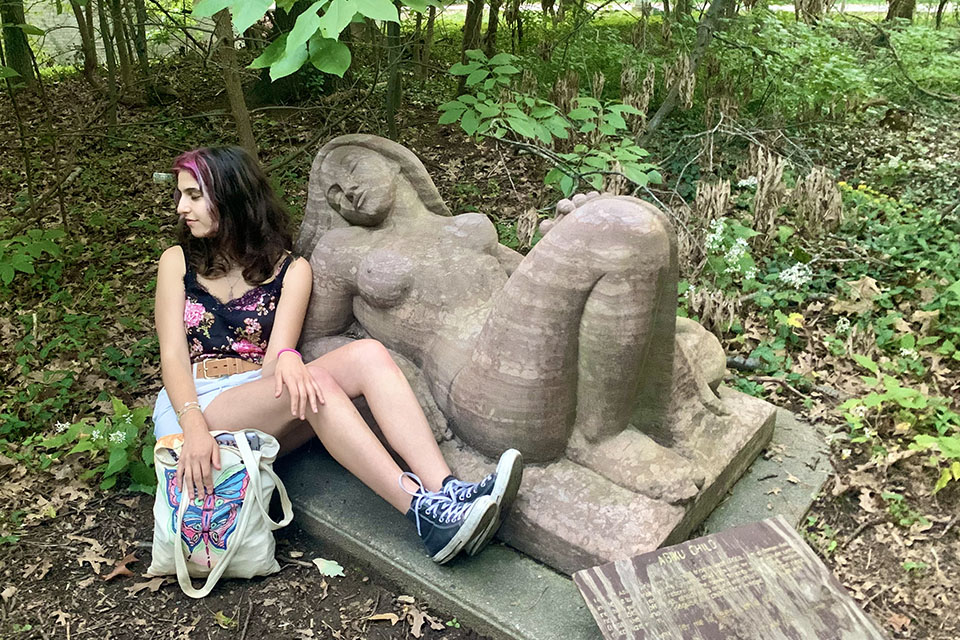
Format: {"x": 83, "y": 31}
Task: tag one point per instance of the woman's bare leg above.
{"x": 337, "y": 423}
{"x": 365, "y": 368}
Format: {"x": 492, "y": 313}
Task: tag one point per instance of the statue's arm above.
{"x": 331, "y": 300}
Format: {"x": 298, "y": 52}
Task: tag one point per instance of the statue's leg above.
{"x": 571, "y": 333}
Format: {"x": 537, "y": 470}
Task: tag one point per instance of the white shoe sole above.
{"x": 481, "y": 516}
{"x": 505, "y": 488}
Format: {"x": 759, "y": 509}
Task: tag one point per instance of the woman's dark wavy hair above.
{"x": 253, "y": 227}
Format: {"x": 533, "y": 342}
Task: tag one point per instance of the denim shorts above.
{"x": 165, "y": 416}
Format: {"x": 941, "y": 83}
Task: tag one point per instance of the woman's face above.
{"x": 193, "y": 206}
{"x": 363, "y": 185}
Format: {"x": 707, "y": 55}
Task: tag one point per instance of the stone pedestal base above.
{"x": 572, "y": 518}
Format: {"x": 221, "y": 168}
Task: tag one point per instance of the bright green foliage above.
{"x": 118, "y": 447}
{"x": 603, "y": 143}
{"x": 20, "y": 253}
{"x": 7, "y": 72}
{"x": 901, "y": 512}
{"x": 315, "y": 35}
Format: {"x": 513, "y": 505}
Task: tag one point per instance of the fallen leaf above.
{"x": 391, "y": 617}
{"x": 775, "y": 491}
{"x": 153, "y": 585}
{"x": 416, "y": 618}
{"x": 120, "y": 569}
{"x": 92, "y": 558}
{"x": 86, "y": 582}
{"x": 793, "y": 479}
{"x": 224, "y": 621}
{"x": 130, "y": 503}
{"x": 7, "y": 593}
{"x": 62, "y": 617}
{"x": 296, "y": 554}
{"x": 867, "y": 502}
{"x": 323, "y": 589}
{"x": 405, "y": 599}
{"x": 328, "y": 568}
{"x": 898, "y": 621}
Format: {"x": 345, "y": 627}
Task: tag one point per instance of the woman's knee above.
{"x": 322, "y": 377}
{"x": 372, "y": 353}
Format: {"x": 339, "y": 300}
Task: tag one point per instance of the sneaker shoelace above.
{"x": 436, "y": 504}
{"x": 460, "y": 490}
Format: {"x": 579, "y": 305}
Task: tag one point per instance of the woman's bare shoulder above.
{"x": 171, "y": 262}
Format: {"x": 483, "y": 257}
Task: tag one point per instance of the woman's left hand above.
{"x": 292, "y": 372}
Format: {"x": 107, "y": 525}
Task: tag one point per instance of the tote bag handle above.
{"x": 243, "y": 519}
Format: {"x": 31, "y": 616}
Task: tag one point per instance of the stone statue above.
{"x": 572, "y": 354}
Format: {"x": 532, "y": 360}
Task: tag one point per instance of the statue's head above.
{"x": 361, "y": 180}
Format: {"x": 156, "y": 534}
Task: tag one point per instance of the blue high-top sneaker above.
{"x": 445, "y": 525}
{"x": 501, "y": 485}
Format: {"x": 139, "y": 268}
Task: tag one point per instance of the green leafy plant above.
{"x": 901, "y": 512}
{"x": 20, "y": 253}
{"x": 118, "y": 446}
{"x": 602, "y": 143}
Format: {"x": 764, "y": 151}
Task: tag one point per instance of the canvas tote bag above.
{"x": 227, "y": 534}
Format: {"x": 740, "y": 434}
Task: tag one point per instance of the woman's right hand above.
{"x": 199, "y": 456}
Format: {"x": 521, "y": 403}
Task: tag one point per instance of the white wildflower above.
{"x": 61, "y": 426}
{"x": 908, "y": 353}
{"x": 118, "y": 437}
{"x": 749, "y": 181}
{"x": 128, "y": 419}
{"x": 750, "y": 274}
{"x": 843, "y": 326}
{"x": 690, "y": 291}
{"x": 96, "y": 434}
{"x": 737, "y": 251}
{"x": 797, "y": 275}
{"x": 859, "y": 411}
{"x": 714, "y": 239}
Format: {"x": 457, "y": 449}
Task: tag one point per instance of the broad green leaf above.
{"x": 7, "y": 72}
{"x": 460, "y": 69}
{"x": 289, "y": 63}
{"x": 141, "y": 474}
{"x": 31, "y": 30}
{"x": 638, "y": 177}
{"x": 335, "y": 19}
{"x": 522, "y": 127}
{"x": 307, "y": 24}
{"x": 248, "y": 12}
{"x": 117, "y": 462}
{"x": 476, "y": 54}
{"x": 330, "y": 56}
{"x": 502, "y": 58}
{"x": 955, "y": 470}
{"x": 477, "y": 76}
{"x": 567, "y": 185}
{"x": 581, "y": 114}
{"x": 866, "y": 363}
{"x": 328, "y": 568}
{"x": 108, "y": 483}
{"x": 506, "y": 69}
{"x": 942, "y": 481}
{"x": 378, "y": 10}
{"x": 470, "y": 121}
{"x": 453, "y": 104}
{"x": 206, "y": 8}
{"x": 584, "y": 101}
{"x": 452, "y": 115}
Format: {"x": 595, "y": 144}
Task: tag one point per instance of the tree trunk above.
{"x": 88, "y": 45}
{"x": 140, "y": 35}
{"x": 940, "y": 9}
{"x": 471, "y": 35}
{"x": 427, "y": 44}
{"x": 394, "y": 50}
{"x": 231, "y": 78}
{"x": 111, "y": 56}
{"x": 705, "y": 30}
{"x": 18, "y": 55}
{"x": 490, "y": 40}
{"x": 901, "y": 9}
{"x": 681, "y": 10}
{"x": 120, "y": 37}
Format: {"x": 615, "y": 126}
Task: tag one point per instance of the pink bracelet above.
{"x": 282, "y": 351}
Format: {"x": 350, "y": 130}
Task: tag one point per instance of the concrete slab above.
{"x": 783, "y": 481}
{"x": 503, "y": 593}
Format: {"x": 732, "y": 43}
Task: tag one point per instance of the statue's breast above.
{"x": 384, "y": 277}
{"x": 471, "y": 231}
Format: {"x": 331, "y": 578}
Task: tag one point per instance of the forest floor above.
{"x": 72, "y": 556}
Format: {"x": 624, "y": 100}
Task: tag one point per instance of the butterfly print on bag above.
{"x": 211, "y": 519}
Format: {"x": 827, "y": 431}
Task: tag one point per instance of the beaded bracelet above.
{"x": 187, "y": 407}
{"x": 282, "y": 351}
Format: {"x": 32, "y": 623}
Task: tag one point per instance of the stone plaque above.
{"x": 756, "y": 582}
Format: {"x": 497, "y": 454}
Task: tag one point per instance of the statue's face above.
{"x": 362, "y": 184}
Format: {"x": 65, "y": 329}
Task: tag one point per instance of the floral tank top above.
{"x": 239, "y": 328}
